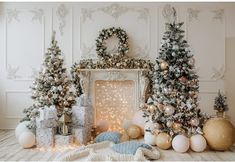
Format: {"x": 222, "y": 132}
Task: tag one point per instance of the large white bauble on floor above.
{"x": 180, "y": 143}
{"x": 139, "y": 120}
{"x": 149, "y": 138}
{"x": 21, "y": 127}
{"x": 27, "y": 139}
{"x": 198, "y": 143}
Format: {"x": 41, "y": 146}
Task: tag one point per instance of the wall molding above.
{"x": 12, "y": 70}
{"x": 115, "y": 11}
{"x": 6, "y": 102}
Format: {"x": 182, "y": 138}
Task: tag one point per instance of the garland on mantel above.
{"x": 114, "y": 61}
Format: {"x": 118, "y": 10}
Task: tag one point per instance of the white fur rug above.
{"x": 102, "y": 152}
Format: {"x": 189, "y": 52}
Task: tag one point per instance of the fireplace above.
{"x": 114, "y": 95}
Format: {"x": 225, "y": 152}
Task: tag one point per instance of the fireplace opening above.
{"x": 114, "y": 102}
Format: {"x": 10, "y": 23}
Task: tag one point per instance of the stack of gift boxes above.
{"x": 47, "y": 124}
{"x": 82, "y": 120}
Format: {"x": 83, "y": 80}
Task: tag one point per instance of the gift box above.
{"x": 45, "y": 137}
{"x": 61, "y": 140}
{"x": 48, "y": 123}
{"x": 82, "y": 135}
{"x": 82, "y": 115}
{"x": 48, "y": 113}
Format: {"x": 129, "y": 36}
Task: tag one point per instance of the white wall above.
{"x": 25, "y": 32}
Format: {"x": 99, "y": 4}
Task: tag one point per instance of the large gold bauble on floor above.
{"x": 163, "y": 141}
{"x": 219, "y": 133}
{"x": 134, "y": 131}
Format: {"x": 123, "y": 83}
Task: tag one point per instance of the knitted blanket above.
{"x": 102, "y": 152}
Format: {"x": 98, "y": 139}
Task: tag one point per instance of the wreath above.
{"x": 107, "y": 33}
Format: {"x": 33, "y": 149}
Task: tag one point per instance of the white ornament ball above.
{"x": 102, "y": 125}
{"x": 198, "y": 143}
{"x": 139, "y": 120}
{"x": 180, "y": 143}
{"x": 149, "y": 138}
{"x": 27, "y": 139}
{"x": 21, "y": 127}
{"x": 169, "y": 110}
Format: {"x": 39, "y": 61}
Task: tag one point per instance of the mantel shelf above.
{"x": 121, "y": 70}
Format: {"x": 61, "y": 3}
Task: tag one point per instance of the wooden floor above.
{"x": 11, "y": 150}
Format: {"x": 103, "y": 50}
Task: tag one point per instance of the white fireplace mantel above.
{"x": 89, "y": 78}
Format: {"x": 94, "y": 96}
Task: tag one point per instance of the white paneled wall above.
{"x": 25, "y": 32}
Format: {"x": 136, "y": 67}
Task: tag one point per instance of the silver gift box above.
{"x": 45, "y": 137}
{"x": 61, "y": 140}
{"x": 48, "y": 123}
{"x": 82, "y": 135}
{"x": 82, "y": 115}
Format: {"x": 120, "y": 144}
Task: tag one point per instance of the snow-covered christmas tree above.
{"x": 173, "y": 107}
{"x": 220, "y": 103}
{"x": 52, "y": 86}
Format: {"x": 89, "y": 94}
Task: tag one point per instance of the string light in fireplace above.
{"x": 114, "y": 102}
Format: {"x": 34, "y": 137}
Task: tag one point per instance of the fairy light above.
{"x": 58, "y": 148}
{"x": 114, "y": 102}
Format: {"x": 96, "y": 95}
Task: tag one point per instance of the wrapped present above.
{"x": 45, "y": 137}
{"x": 82, "y": 135}
{"x": 61, "y": 140}
{"x": 48, "y": 113}
{"x": 47, "y": 123}
{"x": 82, "y": 115}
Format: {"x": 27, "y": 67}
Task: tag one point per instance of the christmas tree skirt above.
{"x": 102, "y": 151}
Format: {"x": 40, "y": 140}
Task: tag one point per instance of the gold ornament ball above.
{"x": 163, "y": 65}
{"x": 163, "y": 141}
{"x": 219, "y": 133}
{"x": 151, "y": 108}
{"x": 176, "y": 127}
{"x": 125, "y": 137}
{"x": 160, "y": 106}
{"x": 134, "y": 131}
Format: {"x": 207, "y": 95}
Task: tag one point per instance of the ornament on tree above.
{"x": 182, "y": 79}
{"x": 160, "y": 106}
{"x": 151, "y": 108}
{"x": 163, "y": 65}
{"x": 169, "y": 110}
{"x": 176, "y": 127}
{"x": 191, "y": 61}
{"x": 194, "y": 122}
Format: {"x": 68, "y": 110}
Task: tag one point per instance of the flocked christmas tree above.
{"x": 173, "y": 107}
{"x": 52, "y": 86}
{"x": 220, "y": 103}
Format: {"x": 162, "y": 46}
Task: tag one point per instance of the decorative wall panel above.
{"x": 24, "y": 43}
